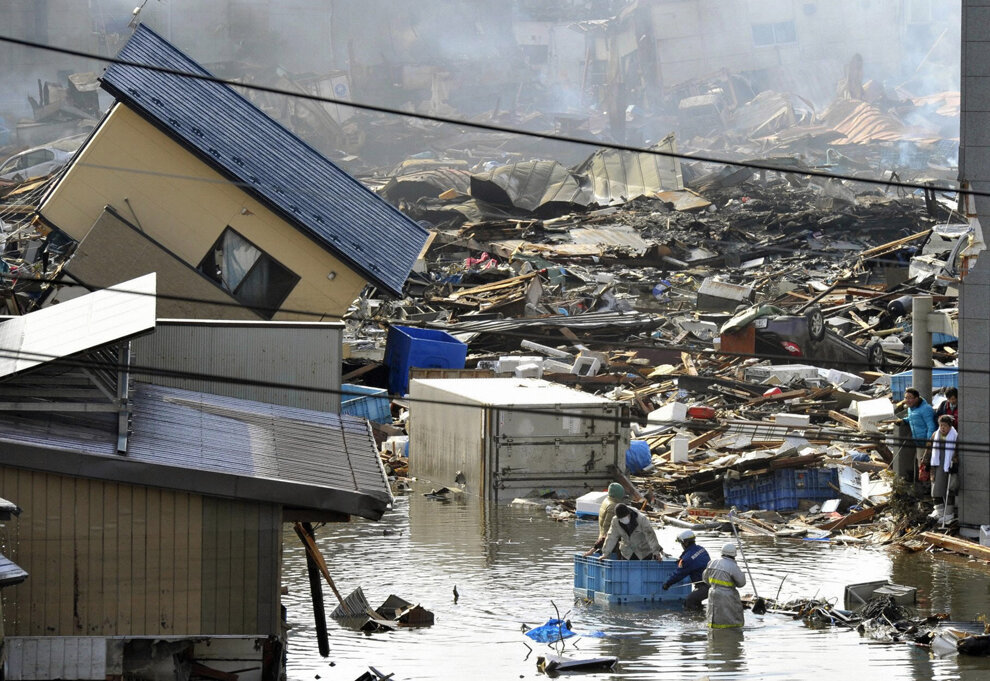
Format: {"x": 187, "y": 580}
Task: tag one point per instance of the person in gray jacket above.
{"x": 633, "y": 533}
{"x": 725, "y": 610}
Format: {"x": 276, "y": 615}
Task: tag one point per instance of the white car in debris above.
{"x": 39, "y": 161}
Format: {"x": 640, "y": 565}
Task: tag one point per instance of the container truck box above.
{"x": 502, "y": 438}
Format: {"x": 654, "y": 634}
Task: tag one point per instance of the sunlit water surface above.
{"x": 511, "y": 565}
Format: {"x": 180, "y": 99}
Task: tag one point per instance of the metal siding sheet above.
{"x": 76, "y": 325}
{"x": 56, "y": 657}
{"x": 305, "y": 354}
{"x": 241, "y": 142}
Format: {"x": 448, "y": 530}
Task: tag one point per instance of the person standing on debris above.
{"x": 944, "y": 468}
{"x": 692, "y": 563}
{"x": 921, "y": 418}
{"x": 725, "y": 610}
{"x": 634, "y": 535}
{"x": 606, "y": 512}
{"x": 950, "y": 407}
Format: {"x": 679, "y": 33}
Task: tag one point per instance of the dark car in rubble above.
{"x": 783, "y": 337}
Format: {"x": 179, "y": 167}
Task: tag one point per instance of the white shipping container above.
{"x": 502, "y": 438}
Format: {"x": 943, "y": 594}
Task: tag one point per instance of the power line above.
{"x": 731, "y": 428}
{"x": 489, "y": 127}
{"x": 693, "y": 349}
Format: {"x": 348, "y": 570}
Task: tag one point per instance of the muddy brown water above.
{"x": 512, "y": 564}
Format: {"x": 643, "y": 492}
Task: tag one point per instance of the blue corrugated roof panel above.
{"x": 241, "y": 142}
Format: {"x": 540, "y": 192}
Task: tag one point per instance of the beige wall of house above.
{"x": 109, "y": 559}
{"x": 183, "y": 204}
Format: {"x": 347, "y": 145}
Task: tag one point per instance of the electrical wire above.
{"x": 741, "y": 427}
{"x": 625, "y": 345}
{"x": 489, "y": 127}
{"x": 500, "y": 129}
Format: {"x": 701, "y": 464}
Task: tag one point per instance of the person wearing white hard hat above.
{"x": 692, "y": 563}
{"x": 725, "y": 609}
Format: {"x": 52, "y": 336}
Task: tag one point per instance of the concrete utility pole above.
{"x": 921, "y": 346}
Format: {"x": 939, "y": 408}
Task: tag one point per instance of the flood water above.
{"x": 512, "y": 564}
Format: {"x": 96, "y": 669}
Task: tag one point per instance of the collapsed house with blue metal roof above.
{"x": 239, "y": 217}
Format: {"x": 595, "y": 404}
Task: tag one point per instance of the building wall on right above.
{"x": 974, "y": 296}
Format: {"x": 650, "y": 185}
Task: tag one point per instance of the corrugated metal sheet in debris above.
{"x": 620, "y": 176}
{"x": 210, "y": 432}
{"x": 530, "y": 185}
{"x": 278, "y": 168}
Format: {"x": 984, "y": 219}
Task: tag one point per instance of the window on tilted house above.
{"x": 249, "y": 274}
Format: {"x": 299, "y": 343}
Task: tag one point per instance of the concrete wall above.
{"x": 184, "y": 205}
{"x": 974, "y": 297}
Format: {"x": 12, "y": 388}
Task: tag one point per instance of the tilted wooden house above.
{"x": 239, "y": 217}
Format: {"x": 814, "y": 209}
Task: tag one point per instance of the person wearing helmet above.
{"x": 725, "y": 610}
{"x": 692, "y": 563}
{"x": 633, "y": 534}
{"x": 606, "y": 512}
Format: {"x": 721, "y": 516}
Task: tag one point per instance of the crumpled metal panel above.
{"x": 430, "y": 183}
{"x": 620, "y": 176}
{"x": 239, "y": 141}
{"x": 531, "y": 185}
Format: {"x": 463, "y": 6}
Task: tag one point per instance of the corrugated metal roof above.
{"x": 237, "y": 139}
{"x": 214, "y": 445}
{"x": 84, "y": 323}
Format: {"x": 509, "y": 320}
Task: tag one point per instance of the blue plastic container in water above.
{"x": 625, "y": 581}
{"x": 409, "y": 346}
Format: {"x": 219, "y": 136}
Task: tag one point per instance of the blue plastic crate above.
{"x": 942, "y": 377}
{"x": 409, "y": 346}
{"x": 740, "y": 493}
{"x": 625, "y": 581}
{"x": 372, "y": 403}
{"x": 795, "y": 484}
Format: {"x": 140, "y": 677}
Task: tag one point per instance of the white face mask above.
{"x": 625, "y": 521}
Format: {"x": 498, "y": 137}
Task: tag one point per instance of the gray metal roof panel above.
{"x": 241, "y": 142}
{"x": 216, "y": 445}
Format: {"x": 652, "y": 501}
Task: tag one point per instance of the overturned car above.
{"x": 771, "y": 333}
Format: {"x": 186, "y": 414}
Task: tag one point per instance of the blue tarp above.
{"x": 638, "y": 456}
{"x": 551, "y": 632}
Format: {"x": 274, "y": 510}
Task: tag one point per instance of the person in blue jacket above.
{"x": 920, "y": 416}
{"x": 692, "y": 563}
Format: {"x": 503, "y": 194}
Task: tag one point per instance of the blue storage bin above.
{"x": 408, "y": 346}
{"x": 372, "y": 403}
{"x": 625, "y": 581}
{"x": 942, "y": 377}
{"x": 740, "y": 493}
{"x": 781, "y": 490}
